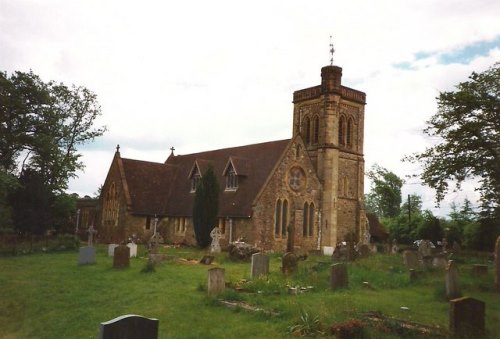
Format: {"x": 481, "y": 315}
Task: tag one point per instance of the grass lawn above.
{"x": 48, "y": 295}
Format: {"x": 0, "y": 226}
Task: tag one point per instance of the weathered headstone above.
{"x": 466, "y": 317}
{"x": 129, "y": 326}
{"x": 338, "y": 276}
{"x": 410, "y": 259}
{"x": 452, "y": 285}
{"x": 111, "y": 249}
{"x": 351, "y": 252}
{"x": 395, "y": 248}
{"x": 121, "y": 258}
{"x": 260, "y": 265}
{"x": 133, "y": 249}
{"x": 364, "y": 250}
{"x": 497, "y": 265}
{"x": 207, "y": 260}
{"x": 216, "y": 282}
{"x": 424, "y": 248}
{"x": 427, "y": 261}
{"x": 373, "y": 248}
{"x": 439, "y": 261}
{"x": 215, "y": 234}
{"x": 87, "y": 255}
{"x": 328, "y": 250}
{"x": 479, "y": 269}
{"x": 289, "y": 263}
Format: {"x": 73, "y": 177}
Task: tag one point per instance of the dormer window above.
{"x": 195, "y": 178}
{"x": 231, "y": 179}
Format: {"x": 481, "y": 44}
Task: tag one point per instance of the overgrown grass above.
{"x": 47, "y": 295}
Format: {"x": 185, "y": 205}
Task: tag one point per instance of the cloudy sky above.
{"x": 201, "y": 75}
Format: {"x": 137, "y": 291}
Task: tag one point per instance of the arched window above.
{"x": 284, "y": 218}
{"x": 305, "y": 218}
{"x": 195, "y": 179}
{"x": 277, "y": 220}
{"x": 111, "y": 206}
{"x": 316, "y": 130}
{"x": 342, "y": 131}
{"x": 231, "y": 179}
{"x": 311, "y": 219}
{"x": 350, "y": 124}
{"x": 307, "y": 127}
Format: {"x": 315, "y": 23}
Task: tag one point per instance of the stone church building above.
{"x": 313, "y": 181}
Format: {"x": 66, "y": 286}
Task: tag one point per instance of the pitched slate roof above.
{"x": 255, "y": 162}
{"x": 148, "y": 184}
{"x": 165, "y": 189}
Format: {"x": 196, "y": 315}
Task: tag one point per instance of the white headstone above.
{"x": 111, "y": 249}
{"x": 328, "y": 250}
{"x": 215, "y": 234}
{"x": 133, "y": 249}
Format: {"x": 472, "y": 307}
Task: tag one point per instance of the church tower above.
{"x": 330, "y": 119}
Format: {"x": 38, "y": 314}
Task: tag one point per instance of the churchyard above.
{"x": 49, "y": 295}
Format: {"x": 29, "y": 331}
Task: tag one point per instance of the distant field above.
{"x": 47, "y": 295}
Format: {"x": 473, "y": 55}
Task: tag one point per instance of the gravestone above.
{"x": 111, "y": 249}
{"x": 445, "y": 245}
{"x": 439, "y": 261}
{"x": 413, "y": 275}
{"x": 121, "y": 258}
{"x": 479, "y": 269}
{"x": 216, "y": 282}
{"x": 410, "y": 259}
{"x": 129, "y": 326}
{"x": 395, "y": 248}
{"x": 207, "y": 260}
{"x": 497, "y": 265}
{"x": 466, "y": 318}
{"x": 427, "y": 261}
{"x": 260, "y": 265}
{"x": 87, "y": 253}
{"x": 351, "y": 252}
{"x": 215, "y": 234}
{"x": 452, "y": 286}
{"x": 289, "y": 263}
{"x": 338, "y": 276}
{"x": 133, "y": 249}
{"x": 424, "y": 248}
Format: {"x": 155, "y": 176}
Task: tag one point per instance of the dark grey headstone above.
{"x": 289, "y": 263}
{"x": 338, "y": 276}
{"x": 87, "y": 255}
{"x": 129, "y": 326}
{"x": 121, "y": 258}
{"x": 260, "y": 265}
{"x": 452, "y": 285}
{"x": 466, "y": 317}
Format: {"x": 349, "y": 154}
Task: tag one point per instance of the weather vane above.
{"x": 332, "y": 50}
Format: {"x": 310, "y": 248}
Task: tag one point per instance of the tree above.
{"x": 42, "y": 124}
{"x": 205, "y": 207}
{"x": 467, "y": 124}
{"x": 384, "y": 198}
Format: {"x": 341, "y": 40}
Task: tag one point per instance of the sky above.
{"x": 201, "y": 75}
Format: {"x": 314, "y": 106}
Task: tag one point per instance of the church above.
{"x": 312, "y": 182}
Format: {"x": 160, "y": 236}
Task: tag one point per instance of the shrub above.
{"x": 308, "y": 325}
{"x": 348, "y": 329}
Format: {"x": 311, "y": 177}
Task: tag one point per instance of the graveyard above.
{"x": 52, "y": 295}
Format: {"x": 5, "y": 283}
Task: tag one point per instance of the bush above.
{"x": 348, "y": 329}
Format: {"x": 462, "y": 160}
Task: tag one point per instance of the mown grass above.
{"x": 47, "y": 295}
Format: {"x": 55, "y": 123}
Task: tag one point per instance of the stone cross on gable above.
{"x": 91, "y": 231}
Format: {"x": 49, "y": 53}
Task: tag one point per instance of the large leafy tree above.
{"x": 205, "y": 207}
{"x": 41, "y": 124}
{"x": 384, "y": 198}
{"x": 467, "y": 125}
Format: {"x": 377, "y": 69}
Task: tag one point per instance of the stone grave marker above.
{"x": 424, "y": 248}
{"x": 395, "y": 248}
{"x": 497, "y": 265}
{"x": 338, "y": 276}
{"x": 452, "y": 286}
{"x": 427, "y": 261}
{"x": 216, "y": 282}
{"x": 410, "y": 259}
{"x": 259, "y": 265}
{"x": 215, "y": 234}
{"x": 111, "y": 249}
{"x": 439, "y": 261}
{"x": 207, "y": 260}
{"x": 87, "y": 253}
{"x": 364, "y": 250}
{"x": 289, "y": 263}
{"x": 133, "y": 249}
{"x": 129, "y": 326}
{"x": 121, "y": 258}
{"x": 466, "y": 318}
